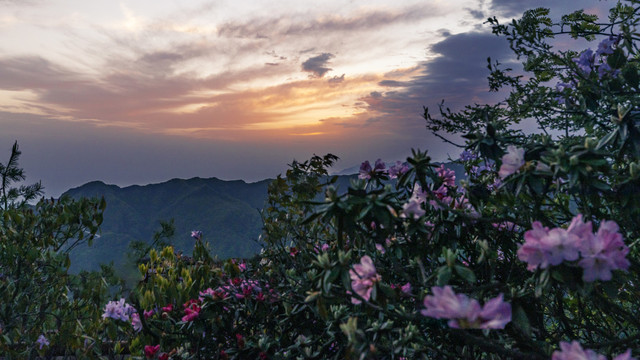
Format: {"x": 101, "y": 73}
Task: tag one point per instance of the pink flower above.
{"x": 412, "y": 209}
{"x": 603, "y": 252}
{"x": 531, "y": 251}
{"x": 136, "y": 323}
{"x": 168, "y": 308}
{"x": 406, "y": 289}
{"x": 512, "y": 161}
{"x": 464, "y": 312}
{"x": 363, "y": 279}
{"x": 599, "y": 253}
{"x": 445, "y": 304}
{"x": 448, "y": 176}
{"x": 574, "y": 351}
{"x": 196, "y": 234}
{"x": 544, "y": 247}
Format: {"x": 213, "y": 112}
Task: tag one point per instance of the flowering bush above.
{"x": 397, "y": 264}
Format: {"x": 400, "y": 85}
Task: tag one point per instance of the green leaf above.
{"x": 444, "y": 274}
{"x": 607, "y": 139}
{"x": 630, "y": 74}
{"x": 465, "y": 273}
{"x": 617, "y": 59}
{"x": 520, "y": 319}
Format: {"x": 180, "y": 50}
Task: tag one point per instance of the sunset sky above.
{"x": 141, "y": 91}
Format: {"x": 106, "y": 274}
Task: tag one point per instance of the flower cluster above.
{"x": 380, "y": 168}
{"x": 398, "y": 169}
{"x": 366, "y": 172}
{"x": 599, "y": 253}
{"x": 574, "y": 351}
{"x": 448, "y": 176}
{"x": 191, "y": 310}
{"x": 464, "y": 312}
{"x": 589, "y": 61}
{"x": 241, "y": 289}
{"x": 118, "y": 310}
{"x": 363, "y": 279}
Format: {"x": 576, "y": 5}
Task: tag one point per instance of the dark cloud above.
{"x": 336, "y": 79}
{"x": 457, "y": 75}
{"x": 317, "y": 65}
{"x": 478, "y": 14}
{"x": 392, "y": 83}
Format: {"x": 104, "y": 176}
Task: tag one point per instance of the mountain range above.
{"x": 227, "y": 212}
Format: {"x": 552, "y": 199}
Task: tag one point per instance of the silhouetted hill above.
{"x": 227, "y": 212}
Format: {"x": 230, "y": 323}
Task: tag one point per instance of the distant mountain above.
{"x": 227, "y": 212}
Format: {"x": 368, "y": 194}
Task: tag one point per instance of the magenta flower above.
{"x": 512, "y": 161}
{"x": 363, "y": 279}
{"x": 148, "y": 314}
{"x": 464, "y": 312}
{"x": 574, "y": 351}
{"x": 191, "y": 312}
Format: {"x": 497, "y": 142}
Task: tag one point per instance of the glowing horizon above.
{"x": 342, "y": 76}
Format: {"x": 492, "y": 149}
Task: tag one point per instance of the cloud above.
{"x": 457, "y": 74}
{"x": 317, "y": 65}
{"x": 515, "y": 8}
{"x": 288, "y": 26}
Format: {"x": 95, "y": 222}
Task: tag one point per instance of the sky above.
{"x": 143, "y": 91}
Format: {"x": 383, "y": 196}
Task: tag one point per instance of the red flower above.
{"x": 168, "y": 308}
{"x": 223, "y": 355}
{"x": 163, "y": 356}
{"x": 293, "y": 251}
{"x": 240, "y": 339}
{"x": 150, "y": 350}
{"x": 263, "y": 356}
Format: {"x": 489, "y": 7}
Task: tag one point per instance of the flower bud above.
{"x": 574, "y": 160}
{"x": 633, "y": 170}
{"x": 590, "y": 143}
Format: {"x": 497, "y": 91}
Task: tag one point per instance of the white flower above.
{"x": 511, "y": 161}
